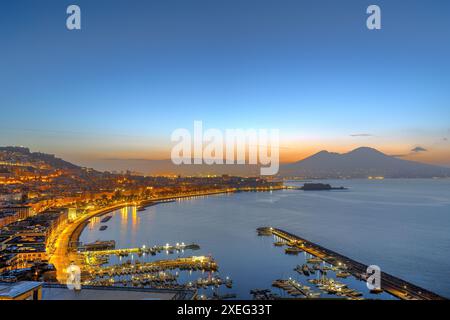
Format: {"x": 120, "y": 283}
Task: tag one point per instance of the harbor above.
{"x": 343, "y": 267}
{"x": 131, "y": 268}
{"x": 197, "y": 273}
{"x": 278, "y": 260}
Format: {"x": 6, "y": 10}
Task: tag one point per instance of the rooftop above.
{"x": 13, "y": 290}
{"x": 61, "y": 292}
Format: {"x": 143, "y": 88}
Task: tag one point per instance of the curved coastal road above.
{"x": 62, "y": 255}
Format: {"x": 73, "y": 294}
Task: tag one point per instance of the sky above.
{"x": 138, "y": 70}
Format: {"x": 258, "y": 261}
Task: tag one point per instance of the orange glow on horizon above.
{"x": 292, "y": 149}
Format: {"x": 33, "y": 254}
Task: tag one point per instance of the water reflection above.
{"x": 224, "y": 226}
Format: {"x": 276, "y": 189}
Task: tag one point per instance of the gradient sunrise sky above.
{"x": 140, "y": 69}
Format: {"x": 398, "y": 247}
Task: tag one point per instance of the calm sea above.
{"x": 403, "y": 226}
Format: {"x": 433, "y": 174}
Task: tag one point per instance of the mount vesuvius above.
{"x": 360, "y": 163}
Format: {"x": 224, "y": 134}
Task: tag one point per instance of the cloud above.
{"x": 419, "y": 149}
{"x": 361, "y": 135}
{"x": 445, "y": 139}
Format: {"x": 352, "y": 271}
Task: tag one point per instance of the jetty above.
{"x": 202, "y": 263}
{"x": 142, "y": 250}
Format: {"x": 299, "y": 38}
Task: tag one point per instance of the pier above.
{"x": 294, "y": 288}
{"x": 395, "y": 286}
{"x": 190, "y": 263}
{"x": 195, "y": 263}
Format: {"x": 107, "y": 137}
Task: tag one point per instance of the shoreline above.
{"x": 358, "y": 269}
{"x": 64, "y": 253}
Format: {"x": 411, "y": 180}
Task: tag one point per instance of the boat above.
{"x": 311, "y": 270}
{"x": 314, "y": 260}
{"x": 313, "y": 295}
{"x": 279, "y": 244}
{"x": 106, "y": 219}
{"x": 229, "y": 283}
{"x": 292, "y": 250}
{"x": 192, "y": 246}
{"x": 305, "y": 270}
{"x": 343, "y": 274}
{"x": 323, "y": 272}
{"x": 224, "y": 296}
{"x": 356, "y": 294}
{"x": 331, "y": 290}
{"x": 376, "y": 291}
{"x": 103, "y": 228}
{"x": 319, "y": 187}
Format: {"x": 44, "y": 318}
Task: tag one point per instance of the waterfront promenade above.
{"x": 395, "y": 286}
{"x": 62, "y": 255}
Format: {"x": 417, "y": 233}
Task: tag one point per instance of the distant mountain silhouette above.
{"x": 360, "y": 163}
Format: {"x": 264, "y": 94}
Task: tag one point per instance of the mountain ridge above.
{"x": 361, "y": 162}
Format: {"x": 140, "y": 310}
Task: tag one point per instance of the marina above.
{"x": 161, "y": 274}
{"x": 296, "y": 151}
{"x": 98, "y": 269}
{"x": 190, "y": 263}
{"x": 346, "y": 267}
{"x": 237, "y": 248}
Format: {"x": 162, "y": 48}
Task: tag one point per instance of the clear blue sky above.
{"x": 140, "y": 69}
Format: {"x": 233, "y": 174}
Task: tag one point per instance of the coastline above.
{"x": 342, "y": 249}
